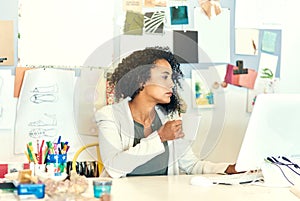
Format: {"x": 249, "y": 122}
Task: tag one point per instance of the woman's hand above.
{"x": 171, "y": 130}
{"x": 231, "y": 170}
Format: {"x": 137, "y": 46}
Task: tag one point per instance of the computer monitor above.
{"x": 273, "y": 130}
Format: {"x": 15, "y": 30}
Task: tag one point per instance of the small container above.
{"x": 56, "y": 164}
{"x": 25, "y": 190}
{"x": 102, "y": 186}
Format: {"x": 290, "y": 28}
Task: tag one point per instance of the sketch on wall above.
{"x": 266, "y": 81}
{"x": 45, "y": 107}
{"x": 203, "y": 97}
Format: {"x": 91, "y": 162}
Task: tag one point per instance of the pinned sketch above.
{"x": 42, "y": 133}
{"x": 47, "y": 120}
{"x": 155, "y": 3}
{"x": 210, "y": 8}
{"x": 45, "y": 107}
{"x": 269, "y": 41}
{"x": 203, "y": 97}
{"x": 7, "y": 106}
{"x": 266, "y": 82}
{"x": 154, "y": 22}
{"x": 185, "y": 46}
{"x": 267, "y": 61}
{"x": 179, "y": 15}
{"x": 43, "y": 94}
{"x": 246, "y": 41}
{"x": 134, "y": 23}
{"x": 213, "y": 36}
{"x": 6, "y": 43}
{"x": 260, "y": 14}
{"x": 132, "y": 5}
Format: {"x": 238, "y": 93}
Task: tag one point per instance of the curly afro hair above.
{"x": 134, "y": 71}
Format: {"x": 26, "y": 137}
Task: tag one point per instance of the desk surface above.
{"x": 175, "y": 188}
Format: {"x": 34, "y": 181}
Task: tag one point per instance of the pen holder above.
{"x": 56, "y": 164}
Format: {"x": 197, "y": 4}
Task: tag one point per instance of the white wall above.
{"x": 237, "y": 118}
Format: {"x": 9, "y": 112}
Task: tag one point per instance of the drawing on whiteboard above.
{"x": 42, "y": 98}
{"x": 48, "y": 120}
{"x": 44, "y": 94}
{"x": 46, "y": 89}
{"x": 41, "y": 132}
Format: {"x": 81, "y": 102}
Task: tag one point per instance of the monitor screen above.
{"x": 273, "y": 130}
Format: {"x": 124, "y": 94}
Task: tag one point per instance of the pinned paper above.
{"x": 134, "y": 23}
{"x": 241, "y": 80}
{"x": 246, "y": 41}
{"x": 269, "y": 41}
{"x": 154, "y": 22}
{"x": 179, "y": 15}
{"x": 155, "y": 3}
{"x": 210, "y": 7}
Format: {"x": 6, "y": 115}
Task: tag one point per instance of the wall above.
{"x": 236, "y": 117}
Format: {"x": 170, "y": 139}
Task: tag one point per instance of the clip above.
{"x": 2, "y": 59}
{"x": 241, "y": 70}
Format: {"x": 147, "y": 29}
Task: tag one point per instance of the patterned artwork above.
{"x": 134, "y": 23}
{"x": 154, "y": 22}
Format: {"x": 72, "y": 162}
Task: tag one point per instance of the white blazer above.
{"x": 116, "y": 136}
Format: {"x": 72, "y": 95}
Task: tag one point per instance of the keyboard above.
{"x": 231, "y": 179}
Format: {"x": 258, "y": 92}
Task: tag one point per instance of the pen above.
{"x": 58, "y": 141}
{"x": 41, "y": 152}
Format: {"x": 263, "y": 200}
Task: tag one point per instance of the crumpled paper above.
{"x": 210, "y": 7}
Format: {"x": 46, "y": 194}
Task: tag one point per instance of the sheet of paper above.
{"x": 155, "y": 3}
{"x": 260, "y": 13}
{"x": 7, "y": 42}
{"x": 213, "y": 37}
{"x": 132, "y": 5}
{"x": 246, "y": 41}
{"x": 180, "y": 15}
{"x": 268, "y": 43}
{"x": 267, "y": 61}
{"x": 45, "y": 108}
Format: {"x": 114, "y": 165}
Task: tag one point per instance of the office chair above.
{"x": 78, "y": 152}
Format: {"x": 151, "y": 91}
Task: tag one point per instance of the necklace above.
{"x": 147, "y": 122}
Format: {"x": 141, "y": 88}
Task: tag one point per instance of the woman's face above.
{"x": 159, "y": 86}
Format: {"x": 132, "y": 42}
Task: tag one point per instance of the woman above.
{"x": 140, "y": 135}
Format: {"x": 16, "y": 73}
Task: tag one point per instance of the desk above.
{"x": 178, "y": 188}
